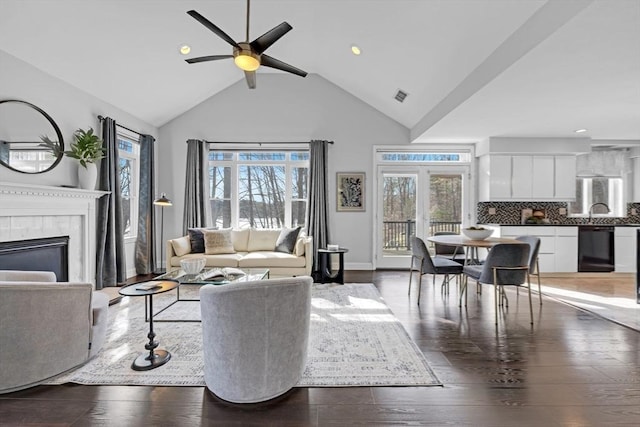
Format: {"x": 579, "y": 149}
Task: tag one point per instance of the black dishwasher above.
{"x": 595, "y": 248}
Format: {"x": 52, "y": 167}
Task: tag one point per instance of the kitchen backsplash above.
{"x": 510, "y": 213}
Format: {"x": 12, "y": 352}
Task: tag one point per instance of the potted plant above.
{"x": 87, "y": 149}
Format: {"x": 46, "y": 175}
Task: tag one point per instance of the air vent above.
{"x": 401, "y": 95}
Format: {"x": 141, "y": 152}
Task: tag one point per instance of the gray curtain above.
{"x": 145, "y": 254}
{"x": 317, "y": 224}
{"x": 197, "y": 210}
{"x": 110, "y": 255}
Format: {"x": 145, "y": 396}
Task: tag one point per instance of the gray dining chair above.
{"x": 455, "y": 253}
{"x": 534, "y": 266}
{"x": 422, "y": 261}
{"x": 506, "y": 265}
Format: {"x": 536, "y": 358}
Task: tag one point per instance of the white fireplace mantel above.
{"x": 34, "y": 211}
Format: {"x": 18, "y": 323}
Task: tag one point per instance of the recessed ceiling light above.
{"x": 355, "y": 49}
{"x": 580, "y": 130}
{"x": 185, "y": 49}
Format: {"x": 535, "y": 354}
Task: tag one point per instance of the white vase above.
{"x": 87, "y": 176}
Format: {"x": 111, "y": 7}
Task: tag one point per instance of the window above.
{"x": 598, "y": 190}
{"x": 128, "y": 167}
{"x": 262, "y": 189}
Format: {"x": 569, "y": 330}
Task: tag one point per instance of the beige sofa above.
{"x": 250, "y": 248}
{"x": 48, "y": 327}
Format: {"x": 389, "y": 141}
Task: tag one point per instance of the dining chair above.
{"x": 505, "y": 265}
{"x": 455, "y": 253}
{"x": 534, "y": 266}
{"x": 421, "y": 258}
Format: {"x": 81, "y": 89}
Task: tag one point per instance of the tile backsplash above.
{"x": 510, "y": 213}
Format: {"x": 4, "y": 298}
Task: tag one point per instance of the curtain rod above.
{"x": 123, "y": 127}
{"x": 261, "y": 143}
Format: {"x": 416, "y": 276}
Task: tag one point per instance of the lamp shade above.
{"x": 163, "y": 201}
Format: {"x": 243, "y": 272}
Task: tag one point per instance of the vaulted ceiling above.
{"x": 471, "y": 68}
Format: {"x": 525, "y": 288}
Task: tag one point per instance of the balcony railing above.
{"x": 397, "y": 234}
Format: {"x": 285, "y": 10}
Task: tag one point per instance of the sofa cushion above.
{"x": 218, "y": 242}
{"x": 196, "y": 236}
{"x": 240, "y": 239}
{"x": 262, "y": 239}
{"x": 287, "y": 239}
{"x": 224, "y": 260}
{"x": 181, "y": 245}
{"x": 268, "y": 259}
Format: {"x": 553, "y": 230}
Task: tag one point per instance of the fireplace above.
{"x": 46, "y": 254}
{"x": 30, "y": 212}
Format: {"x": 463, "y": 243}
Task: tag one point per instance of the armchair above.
{"x": 47, "y": 327}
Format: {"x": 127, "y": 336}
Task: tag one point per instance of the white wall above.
{"x": 70, "y": 108}
{"x": 287, "y": 108}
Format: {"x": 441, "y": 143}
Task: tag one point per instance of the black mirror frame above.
{"x": 55, "y": 128}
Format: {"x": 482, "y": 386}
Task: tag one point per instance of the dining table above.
{"x": 470, "y": 246}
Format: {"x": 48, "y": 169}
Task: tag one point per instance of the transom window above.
{"x": 261, "y": 189}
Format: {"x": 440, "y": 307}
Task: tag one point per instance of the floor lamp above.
{"x": 162, "y": 201}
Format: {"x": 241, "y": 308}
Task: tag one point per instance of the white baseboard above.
{"x": 358, "y": 266}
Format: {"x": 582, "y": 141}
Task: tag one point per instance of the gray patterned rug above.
{"x": 354, "y": 340}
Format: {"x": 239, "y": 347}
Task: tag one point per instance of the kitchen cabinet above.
{"x": 558, "y": 246}
{"x": 625, "y": 249}
{"x": 543, "y": 177}
{"x": 565, "y": 177}
{"x": 525, "y": 177}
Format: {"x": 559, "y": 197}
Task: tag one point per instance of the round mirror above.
{"x": 30, "y": 141}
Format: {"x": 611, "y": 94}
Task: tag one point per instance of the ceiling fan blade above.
{"x": 250, "y": 76}
{"x": 263, "y": 42}
{"x": 271, "y": 62}
{"x": 207, "y": 58}
{"x": 210, "y": 25}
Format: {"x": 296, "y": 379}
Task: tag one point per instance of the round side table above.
{"x": 324, "y": 262}
{"x": 154, "y": 358}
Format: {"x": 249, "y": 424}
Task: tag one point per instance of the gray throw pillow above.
{"x": 287, "y": 239}
{"x": 196, "y": 237}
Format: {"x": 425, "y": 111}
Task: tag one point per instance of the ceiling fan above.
{"x": 248, "y": 56}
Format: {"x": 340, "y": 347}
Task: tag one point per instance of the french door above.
{"x": 417, "y": 201}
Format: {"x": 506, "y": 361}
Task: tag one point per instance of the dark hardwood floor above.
{"x": 569, "y": 369}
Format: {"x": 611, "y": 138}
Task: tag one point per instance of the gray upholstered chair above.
{"x": 425, "y": 264}
{"x": 46, "y": 327}
{"x": 255, "y": 337}
{"x": 506, "y": 265}
{"x": 455, "y": 253}
{"x": 534, "y": 266}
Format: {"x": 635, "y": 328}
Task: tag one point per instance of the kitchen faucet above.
{"x": 591, "y": 210}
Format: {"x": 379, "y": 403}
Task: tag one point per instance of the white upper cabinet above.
{"x": 565, "y": 177}
{"x": 521, "y": 177}
{"x": 542, "y": 185}
{"x": 524, "y": 177}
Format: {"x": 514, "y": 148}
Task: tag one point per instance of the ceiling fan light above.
{"x": 246, "y": 62}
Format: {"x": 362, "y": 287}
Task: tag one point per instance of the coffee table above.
{"x": 184, "y": 279}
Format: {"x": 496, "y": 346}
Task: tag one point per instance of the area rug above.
{"x": 354, "y": 340}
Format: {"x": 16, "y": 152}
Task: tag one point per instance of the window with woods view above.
{"x": 261, "y": 189}
{"x": 128, "y": 166}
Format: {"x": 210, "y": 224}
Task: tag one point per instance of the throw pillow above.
{"x": 196, "y": 236}
{"x": 181, "y": 246}
{"x": 262, "y": 239}
{"x": 240, "y": 239}
{"x": 218, "y": 242}
{"x": 300, "y": 244}
{"x": 287, "y": 240}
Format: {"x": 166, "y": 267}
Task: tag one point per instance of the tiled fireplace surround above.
{"x": 509, "y": 213}
{"x": 35, "y": 211}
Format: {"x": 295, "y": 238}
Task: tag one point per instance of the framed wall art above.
{"x": 350, "y": 191}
